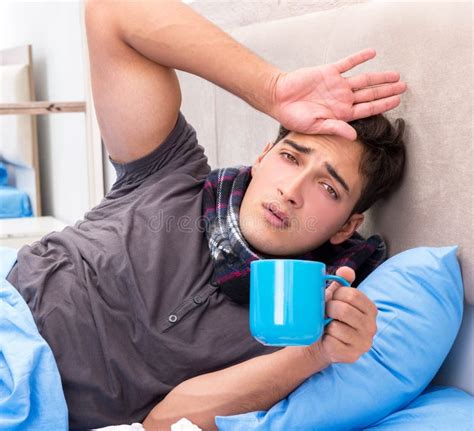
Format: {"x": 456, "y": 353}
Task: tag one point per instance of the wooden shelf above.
{"x": 41, "y": 108}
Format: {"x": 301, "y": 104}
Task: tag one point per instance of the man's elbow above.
{"x": 92, "y": 6}
{"x": 99, "y": 14}
{"x": 102, "y": 22}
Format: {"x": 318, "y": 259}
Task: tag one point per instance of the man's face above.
{"x": 301, "y": 194}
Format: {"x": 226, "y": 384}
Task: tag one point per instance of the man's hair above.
{"x": 382, "y": 162}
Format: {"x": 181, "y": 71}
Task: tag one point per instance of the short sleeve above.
{"x": 179, "y": 151}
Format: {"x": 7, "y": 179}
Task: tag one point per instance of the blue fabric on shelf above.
{"x": 3, "y": 175}
{"x": 14, "y": 203}
{"x": 419, "y": 296}
{"x": 31, "y": 394}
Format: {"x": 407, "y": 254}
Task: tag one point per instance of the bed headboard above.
{"x": 19, "y": 139}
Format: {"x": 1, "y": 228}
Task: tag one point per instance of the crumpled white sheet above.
{"x": 185, "y": 425}
{"x": 182, "y": 425}
{"x": 133, "y": 427}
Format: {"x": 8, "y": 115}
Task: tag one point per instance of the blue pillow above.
{"x": 419, "y": 296}
{"x": 437, "y": 408}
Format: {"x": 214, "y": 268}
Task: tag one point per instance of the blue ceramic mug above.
{"x": 287, "y": 301}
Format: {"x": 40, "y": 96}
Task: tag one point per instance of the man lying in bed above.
{"x": 141, "y": 302}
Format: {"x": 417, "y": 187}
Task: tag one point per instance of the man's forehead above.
{"x": 334, "y": 148}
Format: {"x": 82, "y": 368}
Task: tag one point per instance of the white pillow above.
{"x": 16, "y": 131}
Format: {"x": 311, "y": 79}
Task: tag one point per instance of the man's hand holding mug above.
{"x": 351, "y": 333}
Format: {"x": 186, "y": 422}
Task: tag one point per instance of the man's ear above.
{"x": 265, "y": 150}
{"x": 346, "y": 231}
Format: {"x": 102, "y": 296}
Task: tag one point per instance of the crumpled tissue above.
{"x": 182, "y": 425}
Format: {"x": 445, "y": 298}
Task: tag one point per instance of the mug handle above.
{"x": 340, "y": 280}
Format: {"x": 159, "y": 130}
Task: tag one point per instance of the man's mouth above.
{"x": 276, "y": 217}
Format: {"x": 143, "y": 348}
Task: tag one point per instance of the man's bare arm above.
{"x": 256, "y": 384}
{"x": 259, "y": 383}
{"x": 171, "y": 34}
{"x": 135, "y": 46}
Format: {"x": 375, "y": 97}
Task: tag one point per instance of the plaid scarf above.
{"x": 224, "y": 190}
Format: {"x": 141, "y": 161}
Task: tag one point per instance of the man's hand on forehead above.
{"x": 319, "y": 100}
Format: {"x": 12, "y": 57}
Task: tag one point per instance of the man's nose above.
{"x": 292, "y": 190}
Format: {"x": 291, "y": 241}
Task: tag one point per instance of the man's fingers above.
{"x": 367, "y": 109}
{"x": 354, "y": 60}
{"x": 335, "y": 127}
{"x": 379, "y": 92}
{"x": 372, "y": 78}
{"x": 343, "y": 332}
{"x": 356, "y": 299}
{"x": 339, "y": 351}
{"x": 345, "y": 272}
{"x": 344, "y": 312}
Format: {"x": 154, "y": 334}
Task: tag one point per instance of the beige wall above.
{"x": 231, "y": 13}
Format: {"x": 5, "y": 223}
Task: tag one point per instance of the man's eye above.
{"x": 331, "y": 191}
{"x": 289, "y": 157}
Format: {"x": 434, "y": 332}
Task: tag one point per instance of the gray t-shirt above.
{"x": 123, "y": 298}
